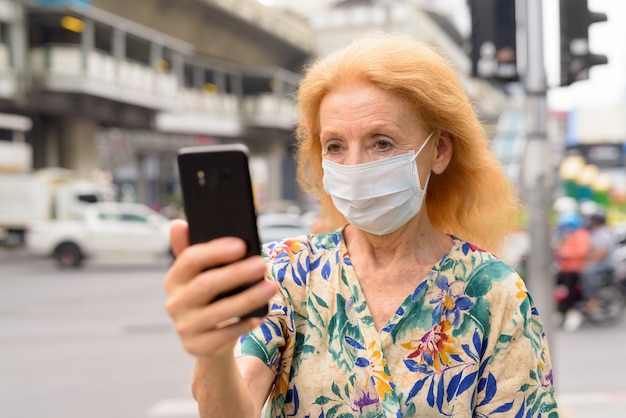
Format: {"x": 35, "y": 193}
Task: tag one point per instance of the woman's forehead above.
{"x": 366, "y": 104}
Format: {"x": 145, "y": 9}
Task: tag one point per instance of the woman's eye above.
{"x": 382, "y": 144}
{"x": 333, "y": 147}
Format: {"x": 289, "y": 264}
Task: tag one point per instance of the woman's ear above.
{"x": 443, "y": 152}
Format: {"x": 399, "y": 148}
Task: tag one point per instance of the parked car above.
{"x": 278, "y": 226}
{"x": 106, "y": 230}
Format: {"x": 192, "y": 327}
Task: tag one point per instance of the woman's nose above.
{"x": 354, "y": 157}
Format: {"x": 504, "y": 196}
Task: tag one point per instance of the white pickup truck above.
{"x": 107, "y": 230}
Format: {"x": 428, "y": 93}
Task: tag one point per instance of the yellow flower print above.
{"x": 376, "y": 365}
{"x": 522, "y": 289}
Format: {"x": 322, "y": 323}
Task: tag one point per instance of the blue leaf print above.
{"x": 280, "y": 274}
{"x": 503, "y": 408}
{"x": 275, "y": 326}
{"x": 431, "y": 396}
{"x": 414, "y": 366}
{"x": 326, "y": 270}
{"x": 453, "y": 385}
{"x": 456, "y": 358}
{"x": 481, "y": 370}
{"x": 477, "y": 342}
{"x": 362, "y": 362}
{"x": 302, "y": 271}
{"x": 469, "y": 352}
{"x": 481, "y": 384}
{"x": 418, "y": 290}
{"x": 389, "y": 327}
{"x": 354, "y": 343}
{"x": 267, "y": 334}
{"x": 296, "y": 401}
{"x": 440, "y": 392}
{"x": 465, "y": 248}
{"x": 520, "y": 413}
{"x": 491, "y": 389}
{"x": 415, "y": 389}
{"x": 295, "y": 277}
{"x": 467, "y": 382}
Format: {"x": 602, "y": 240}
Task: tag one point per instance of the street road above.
{"x": 96, "y": 343}
{"x": 88, "y": 343}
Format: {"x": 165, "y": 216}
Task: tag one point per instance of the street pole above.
{"x": 536, "y": 170}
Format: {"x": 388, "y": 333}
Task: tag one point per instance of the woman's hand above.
{"x": 209, "y": 327}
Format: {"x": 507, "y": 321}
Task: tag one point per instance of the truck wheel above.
{"x": 68, "y": 255}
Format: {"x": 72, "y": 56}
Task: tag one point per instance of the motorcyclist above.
{"x": 599, "y": 259}
{"x": 571, "y": 246}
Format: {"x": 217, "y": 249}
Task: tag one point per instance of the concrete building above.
{"x": 120, "y": 85}
{"x": 117, "y": 79}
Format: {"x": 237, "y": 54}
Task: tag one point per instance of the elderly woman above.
{"x": 399, "y": 310}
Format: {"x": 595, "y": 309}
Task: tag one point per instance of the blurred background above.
{"x": 97, "y": 96}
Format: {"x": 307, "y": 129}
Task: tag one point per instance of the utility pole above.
{"x": 537, "y": 169}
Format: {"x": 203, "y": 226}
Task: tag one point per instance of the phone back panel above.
{"x": 217, "y": 194}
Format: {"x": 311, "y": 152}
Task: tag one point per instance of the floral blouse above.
{"x": 467, "y": 342}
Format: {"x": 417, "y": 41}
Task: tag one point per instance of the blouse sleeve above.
{"x": 515, "y": 375}
{"x": 272, "y": 338}
{"x": 273, "y": 341}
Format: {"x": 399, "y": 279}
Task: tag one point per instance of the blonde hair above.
{"x": 472, "y": 199}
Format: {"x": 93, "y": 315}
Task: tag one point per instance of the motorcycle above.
{"x": 610, "y": 292}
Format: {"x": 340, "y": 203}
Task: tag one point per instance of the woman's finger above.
{"x": 179, "y": 236}
{"x": 214, "y": 343}
{"x": 192, "y": 260}
{"x": 210, "y": 317}
{"x": 206, "y": 287}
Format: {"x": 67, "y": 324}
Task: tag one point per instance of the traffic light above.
{"x": 576, "y": 59}
{"x": 494, "y": 50}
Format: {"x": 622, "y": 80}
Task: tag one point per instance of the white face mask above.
{"x": 377, "y": 197}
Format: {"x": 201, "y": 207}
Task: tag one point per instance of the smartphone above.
{"x": 218, "y": 198}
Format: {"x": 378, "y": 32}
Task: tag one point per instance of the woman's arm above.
{"x": 209, "y": 327}
{"x": 231, "y": 387}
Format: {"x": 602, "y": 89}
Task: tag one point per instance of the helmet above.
{"x": 565, "y": 204}
{"x": 570, "y": 220}
{"x": 593, "y": 211}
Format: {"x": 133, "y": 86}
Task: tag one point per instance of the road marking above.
{"x": 174, "y": 408}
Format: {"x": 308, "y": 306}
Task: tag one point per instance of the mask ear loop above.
{"x": 415, "y": 156}
{"x": 423, "y": 145}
